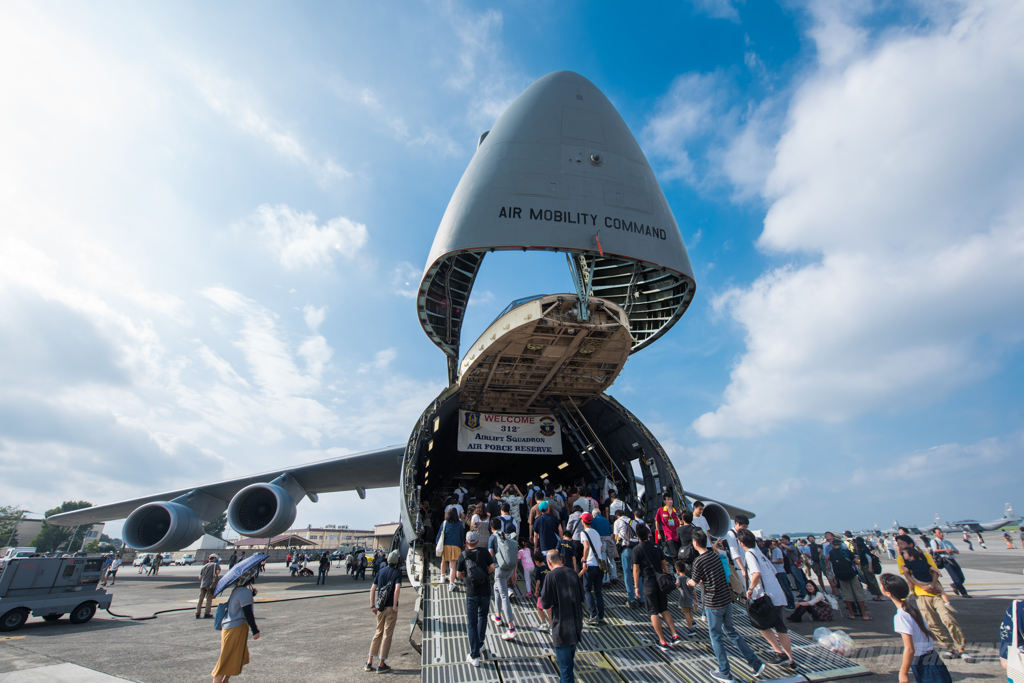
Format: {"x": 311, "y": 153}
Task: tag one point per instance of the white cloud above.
{"x": 314, "y": 316}
{"x": 719, "y": 9}
{"x": 298, "y": 242}
{"x": 226, "y": 98}
{"x": 902, "y": 173}
{"x": 381, "y": 360}
{"x": 405, "y": 280}
{"x": 693, "y": 105}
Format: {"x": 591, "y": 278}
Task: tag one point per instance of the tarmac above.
{"x": 323, "y": 632}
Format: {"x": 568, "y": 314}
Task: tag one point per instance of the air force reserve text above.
{"x": 583, "y": 219}
{"x": 503, "y": 433}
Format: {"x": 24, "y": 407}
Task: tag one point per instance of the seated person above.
{"x": 816, "y": 604}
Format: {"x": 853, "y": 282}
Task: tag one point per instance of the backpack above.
{"x": 508, "y": 527}
{"x": 842, "y": 564}
{"x": 507, "y": 553}
{"x": 815, "y": 552}
{"x": 475, "y": 573}
{"x": 385, "y": 592}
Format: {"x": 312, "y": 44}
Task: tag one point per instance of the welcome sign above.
{"x": 504, "y": 433}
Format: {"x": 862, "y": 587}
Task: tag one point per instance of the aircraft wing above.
{"x": 730, "y": 508}
{"x": 369, "y": 470}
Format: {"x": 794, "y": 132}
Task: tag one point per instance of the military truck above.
{"x": 50, "y": 587}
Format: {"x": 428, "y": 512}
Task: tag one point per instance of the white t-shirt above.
{"x": 586, "y": 504}
{"x": 460, "y": 492}
{"x": 779, "y": 567}
{"x": 615, "y": 507}
{"x": 757, "y": 562}
{"x": 904, "y": 623}
{"x": 458, "y": 508}
{"x": 734, "y": 546}
{"x": 594, "y": 540}
{"x": 702, "y": 523}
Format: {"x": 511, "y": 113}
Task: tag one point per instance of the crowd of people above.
{"x": 570, "y": 544}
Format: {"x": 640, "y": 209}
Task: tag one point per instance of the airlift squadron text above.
{"x": 508, "y": 447}
{"x": 583, "y": 219}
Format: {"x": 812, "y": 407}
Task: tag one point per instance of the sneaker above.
{"x": 198, "y": 617}
{"x": 675, "y": 639}
{"x": 383, "y": 669}
{"x": 690, "y": 632}
{"x": 497, "y": 620}
{"x": 475, "y": 661}
{"x": 602, "y": 622}
{"x": 544, "y": 628}
{"x": 590, "y": 621}
{"x": 510, "y": 635}
{"x": 368, "y": 667}
{"x": 779, "y": 657}
{"x": 949, "y": 655}
{"x": 451, "y": 587}
{"x": 207, "y": 616}
{"x": 967, "y": 658}
{"x": 664, "y": 647}
{"x": 760, "y": 669}
{"x": 719, "y": 676}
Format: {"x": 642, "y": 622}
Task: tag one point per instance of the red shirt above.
{"x": 667, "y": 520}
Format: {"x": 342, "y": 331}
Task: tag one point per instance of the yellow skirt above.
{"x": 451, "y": 553}
{"x": 234, "y": 651}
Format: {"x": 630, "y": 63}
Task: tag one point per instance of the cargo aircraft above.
{"x": 1009, "y": 517}
{"x": 559, "y": 172}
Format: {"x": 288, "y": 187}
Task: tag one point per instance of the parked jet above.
{"x": 561, "y": 172}
{"x": 1009, "y": 517}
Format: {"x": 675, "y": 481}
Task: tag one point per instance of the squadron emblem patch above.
{"x": 472, "y": 420}
{"x": 547, "y": 427}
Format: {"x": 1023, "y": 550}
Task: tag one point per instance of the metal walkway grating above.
{"x": 620, "y": 652}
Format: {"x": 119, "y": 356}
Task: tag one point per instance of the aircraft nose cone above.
{"x": 560, "y": 171}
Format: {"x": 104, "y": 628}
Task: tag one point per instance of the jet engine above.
{"x": 162, "y": 526}
{"x": 261, "y": 510}
{"x": 718, "y": 519}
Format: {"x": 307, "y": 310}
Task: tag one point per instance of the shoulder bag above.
{"x": 762, "y": 613}
{"x": 602, "y": 564}
{"x": 439, "y": 550}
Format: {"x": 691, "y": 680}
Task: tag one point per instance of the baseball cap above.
{"x": 472, "y": 537}
{"x": 542, "y": 506}
{"x": 586, "y": 518}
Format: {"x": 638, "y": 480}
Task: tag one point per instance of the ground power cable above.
{"x": 265, "y": 602}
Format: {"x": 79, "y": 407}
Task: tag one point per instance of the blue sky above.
{"x": 212, "y": 218}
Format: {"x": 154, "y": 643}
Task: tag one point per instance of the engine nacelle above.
{"x": 261, "y": 510}
{"x": 162, "y": 526}
{"x": 718, "y": 519}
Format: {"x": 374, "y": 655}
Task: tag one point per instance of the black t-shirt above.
{"x": 385, "y": 576}
{"x": 494, "y": 507}
{"x": 648, "y": 557}
{"x": 482, "y": 558}
{"x": 546, "y": 526}
{"x": 562, "y": 593}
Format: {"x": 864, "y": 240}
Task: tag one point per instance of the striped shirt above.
{"x": 707, "y": 569}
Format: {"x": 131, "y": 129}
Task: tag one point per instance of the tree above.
{"x": 216, "y": 526}
{"x": 53, "y": 537}
{"x": 9, "y": 518}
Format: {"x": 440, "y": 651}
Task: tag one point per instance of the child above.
{"x": 918, "y": 648}
{"x": 541, "y": 570}
{"x": 685, "y": 598}
{"x": 567, "y": 549}
{"x": 924, "y": 574}
{"x": 527, "y": 559}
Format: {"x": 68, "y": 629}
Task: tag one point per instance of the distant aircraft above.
{"x": 1009, "y": 517}
{"x": 560, "y": 172}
